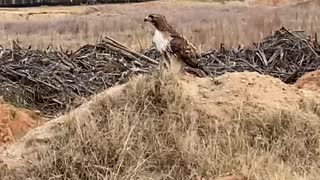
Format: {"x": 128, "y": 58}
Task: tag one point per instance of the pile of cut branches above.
{"x": 285, "y": 55}
{"x": 48, "y": 81}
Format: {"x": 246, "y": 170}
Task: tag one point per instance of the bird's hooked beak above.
{"x": 146, "y": 19}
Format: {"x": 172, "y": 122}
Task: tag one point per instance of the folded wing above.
{"x": 184, "y": 50}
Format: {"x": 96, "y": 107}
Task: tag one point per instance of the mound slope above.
{"x": 239, "y": 123}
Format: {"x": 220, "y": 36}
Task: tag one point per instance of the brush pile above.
{"x": 285, "y": 55}
{"x": 48, "y": 81}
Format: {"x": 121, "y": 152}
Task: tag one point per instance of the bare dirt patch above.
{"x": 309, "y": 81}
{"x": 15, "y": 123}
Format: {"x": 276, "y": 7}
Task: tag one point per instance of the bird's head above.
{"x": 158, "y": 21}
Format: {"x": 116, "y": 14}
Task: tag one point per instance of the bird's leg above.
{"x": 161, "y": 65}
{"x": 166, "y": 62}
{"x": 164, "y": 65}
{"x": 176, "y": 65}
{"x": 161, "y": 68}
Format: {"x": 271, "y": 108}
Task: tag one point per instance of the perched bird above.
{"x": 176, "y": 52}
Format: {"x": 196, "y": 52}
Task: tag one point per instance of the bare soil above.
{"x": 310, "y": 81}
{"x": 16, "y": 122}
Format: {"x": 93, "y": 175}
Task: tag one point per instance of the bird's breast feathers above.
{"x": 161, "y": 41}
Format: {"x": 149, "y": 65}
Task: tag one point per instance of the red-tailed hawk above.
{"x": 175, "y": 50}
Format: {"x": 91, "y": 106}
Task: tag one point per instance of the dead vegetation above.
{"x": 49, "y": 81}
{"x": 156, "y": 130}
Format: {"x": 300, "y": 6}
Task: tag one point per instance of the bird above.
{"x": 176, "y": 51}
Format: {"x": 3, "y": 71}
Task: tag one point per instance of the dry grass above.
{"x": 205, "y": 24}
{"x": 154, "y": 132}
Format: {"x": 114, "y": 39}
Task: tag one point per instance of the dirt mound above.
{"x": 228, "y": 97}
{"x": 15, "y": 123}
{"x": 257, "y": 92}
{"x": 309, "y": 81}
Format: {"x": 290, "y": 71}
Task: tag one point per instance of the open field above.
{"x": 205, "y": 24}
{"x": 102, "y": 112}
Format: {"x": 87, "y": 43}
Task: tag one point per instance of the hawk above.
{"x": 176, "y": 51}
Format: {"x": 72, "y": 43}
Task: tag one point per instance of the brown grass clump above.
{"x": 154, "y": 131}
